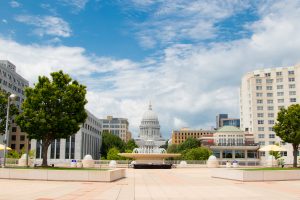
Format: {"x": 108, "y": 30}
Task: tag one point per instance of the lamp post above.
{"x": 11, "y": 97}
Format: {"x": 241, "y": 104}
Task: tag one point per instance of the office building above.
{"x": 116, "y": 126}
{"x": 179, "y": 136}
{"x": 224, "y": 120}
{"x": 262, "y": 94}
{"x": 87, "y": 141}
{"x": 12, "y": 82}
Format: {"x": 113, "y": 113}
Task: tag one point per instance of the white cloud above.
{"x": 188, "y": 85}
{"x": 46, "y": 25}
{"x": 4, "y": 21}
{"x": 78, "y": 5}
{"x": 15, "y": 4}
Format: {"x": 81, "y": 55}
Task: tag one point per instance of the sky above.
{"x": 186, "y": 57}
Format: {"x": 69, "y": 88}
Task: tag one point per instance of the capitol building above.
{"x": 149, "y": 139}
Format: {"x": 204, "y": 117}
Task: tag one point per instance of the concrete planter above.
{"x": 257, "y": 175}
{"x": 62, "y": 175}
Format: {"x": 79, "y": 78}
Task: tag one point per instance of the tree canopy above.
{"x": 109, "y": 141}
{"x": 53, "y": 108}
{"x": 189, "y": 143}
{"x": 130, "y": 145}
{"x": 113, "y": 154}
{"x": 199, "y": 153}
{"x": 287, "y": 127}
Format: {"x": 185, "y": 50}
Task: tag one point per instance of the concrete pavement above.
{"x": 188, "y": 183}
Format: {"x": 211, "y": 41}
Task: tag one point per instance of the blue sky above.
{"x": 187, "y": 57}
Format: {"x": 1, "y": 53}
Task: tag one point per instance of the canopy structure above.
{"x": 2, "y": 147}
{"x": 272, "y": 148}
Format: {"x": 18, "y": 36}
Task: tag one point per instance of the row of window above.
{"x": 262, "y": 121}
{"x": 263, "y": 143}
{"x": 263, "y": 136}
{"x": 271, "y": 115}
{"x": 270, "y": 108}
{"x": 263, "y": 129}
{"x": 290, "y": 72}
{"x": 269, "y": 94}
{"x": 14, "y": 137}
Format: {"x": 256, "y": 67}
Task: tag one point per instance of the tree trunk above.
{"x": 45, "y": 146}
{"x": 295, "y": 152}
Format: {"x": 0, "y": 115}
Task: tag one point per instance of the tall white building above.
{"x": 87, "y": 141}
{"x": 262, "y": 94}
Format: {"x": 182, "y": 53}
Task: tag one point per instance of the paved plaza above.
{"x": 188, "y": 183}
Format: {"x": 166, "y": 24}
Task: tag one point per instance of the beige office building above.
{"x": 262, "y": 94}
{"x": 116, "y": 126}
{"x": 179, "y": 136}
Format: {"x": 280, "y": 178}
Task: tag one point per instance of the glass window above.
{"x": 227, "y": 154}
{"x": 291, "y": 72}
{"x": 280, "y": 107}
{"x": 271, "y": 129}
{"x": 291, "y": 79}
{"x": 21, "y": 146}
{"x": 260, "y": 121}
{"x": 13, "y": 137}
{"x": 292, "y": 99}
{"x": 269, "y": 88}
{"x": 270, "y": 101}
{"x": 292, "y": 93}
{"x": 261, "y": 128}
{"x": 259, "y": 94}
{"x": 251, "y": 154}
{"x": 272, "y": 142}
{"x": 278, "y": 73}
{"x": 269, "y": 94}
{"x": 279, "y": 87}
{"x": 22, "y": 137}
{"x": 258, "y": 87}
{"x": 291, "y": 86}
{"x": 261, "y": 143}
{"x": 271, "y": 121}
{"x": 260, "y": 114}
{"x": 271, "y": 135}
{"x": 260, "y": 107}
{"x": 261, "y": 135}
{"x": 280, "y": 100}
{"x": 270, "y": 108}
{"x": 280, "y": 93}
{"x": 279, "y": 80}
{"x": 270, "y": 114}
{"x": 269, "y": 80}
{"x": 14, "y": 129}
{"x": 216, "y": 153}
{"x": 239, "y": 154}
{"x": 259, "y": 101}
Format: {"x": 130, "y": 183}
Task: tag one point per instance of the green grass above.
{"x": 60, "y": 168}
{"x": 271, "y": 169}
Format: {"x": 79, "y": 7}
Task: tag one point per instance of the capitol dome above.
{"x": 150, "y": 115}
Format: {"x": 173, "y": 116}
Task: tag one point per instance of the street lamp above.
{"x": 11, "y": 97}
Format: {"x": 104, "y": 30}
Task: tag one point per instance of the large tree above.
{"x": 130, "y": 145}
{"x": 3, "y": 110}
{"x": 287, "y": 127}
{"x": 189, "y": 143}
{"x": 109, "y": 141}
{"x": 53, "y": 108}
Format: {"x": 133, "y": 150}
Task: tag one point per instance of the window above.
{"x": 270, "y": 108}
{"x": 279, "y": 80}
{"x": 283, "y": 153}
{"x": 14, "y": 129}
{"x": 292, "y": 93}
{"x": 13, "y": 137}
{"x": 272, "y": 142}
{"x": 259, "y": 101}
{"x": 269, "y": 88}
{"x": 278, "y": 73}
{"x": 270, "y": 114}
{"x": 280, "y": 100}
{"x": 269, "y": 81}
{"x": 292, "y": 99}
{"x": 258, "y": 87}
{"x": 22, "y": 137}
{"x": 260, "y": 107}
{"x": 261, "y": 143}
{"x": 291, "y": 72}
{"x": 239, "y": 154}
{"x": 260, "y": 114}
{"x": 280, "y": 107}
{"x": 251, "y": 154}
{"x": 258, "y": 80}
{"x": 267, "y": 74}
{"x": 261, "y": 135}
{"x": 269, "y": 94}
{"x": 270, "y": 101}
{"x": 279, "y": 87}
{"x": 261, "y": 128}
{"x": 291, "y": 79}
{"x": 291, "y": 86}
{"x": 259, "y": 94}
{"x": 21, "y": 146}
{"x": 13, "y": 146}
{"x": 280, "y": 93}
{"x": 271, "y": 135}
{"x": 227, "y": 154}
{"x": 271, "y": 121}
{"x": 260, "y": 121}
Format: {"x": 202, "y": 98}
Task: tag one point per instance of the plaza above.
{"x": 179, "y": 183}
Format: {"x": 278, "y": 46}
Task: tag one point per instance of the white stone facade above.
{"x": 262, "y": 94}
{"x": 87, "y": 141}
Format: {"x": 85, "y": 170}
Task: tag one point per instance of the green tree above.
{"x": 189, "y": 143}
{"x": 130, "y": 145}
{"x": 53, "y": 109}
{"x": 113, "y": 154}
{"x": 3, "y": 110}
{"x": 173, "y": 148}
{"x": 287, "y": 127}
{"x": 200, "y": 153}
{"x": 109, "y": 141}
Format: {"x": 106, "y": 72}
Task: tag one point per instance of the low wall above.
{"x": 63, "y": 175}
{"x": 256, "y": 175}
